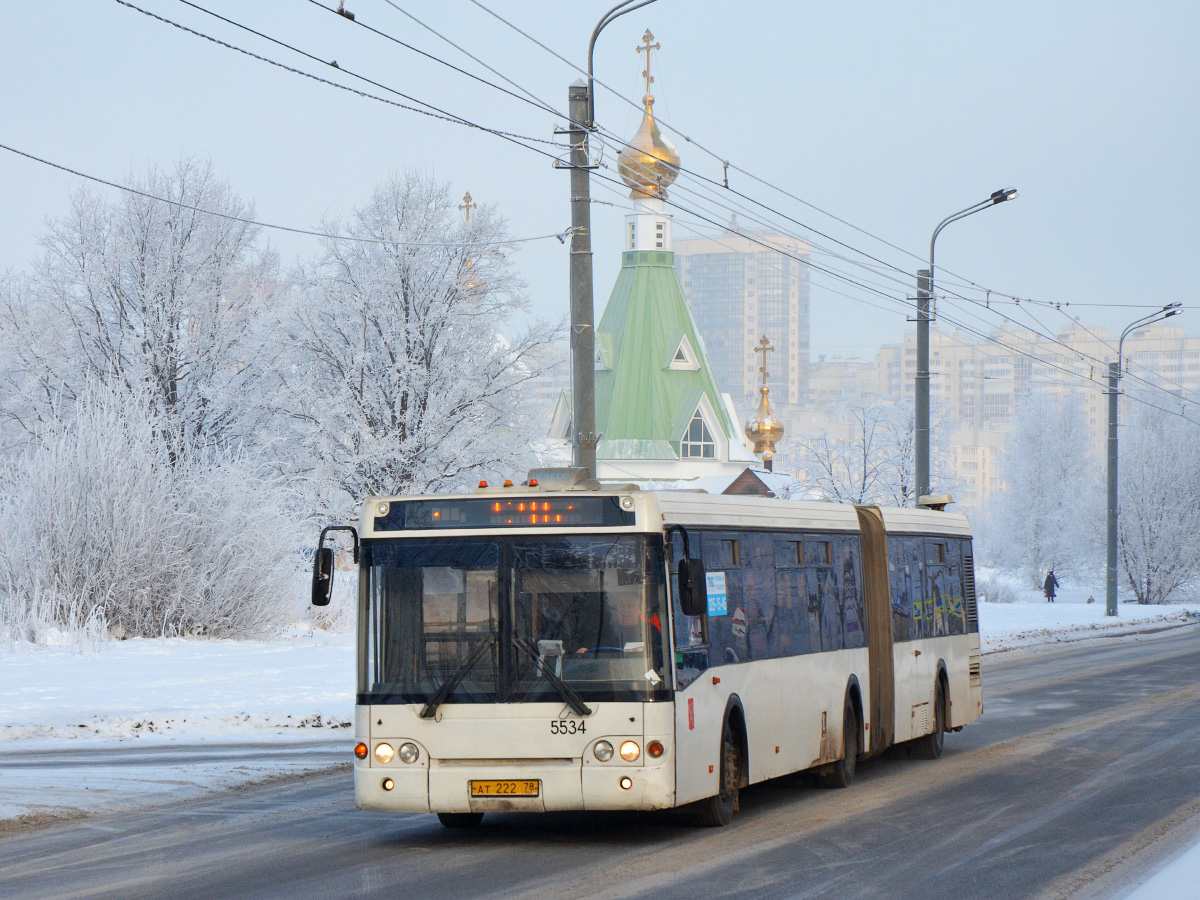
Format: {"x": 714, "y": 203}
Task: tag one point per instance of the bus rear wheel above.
{"x": 930, "y": 746}
{"x": 841, "y": 773}
{"x": 718, "y": 811}
{"x": 460, "y": 820}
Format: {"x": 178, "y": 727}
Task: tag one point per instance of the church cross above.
{"x": 646, "y": 48}
{"x": 764, "y": 347}
{"x": 466, "y": 206}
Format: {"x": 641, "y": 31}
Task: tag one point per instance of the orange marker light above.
{"x": 483, "y": 484}
{"x": 655, "y": 749}
{"x": 360, "y": 750}
{"x": 508, "y": 482}
{"x": 533, "y": 482}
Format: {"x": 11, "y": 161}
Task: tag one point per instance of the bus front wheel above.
{"x": 718, "y": 811}
{"x": 460, "y": 820}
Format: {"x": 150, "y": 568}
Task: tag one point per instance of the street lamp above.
{"x": 581, "y": 107}
{"x": 1114, "y": 377}
{"x": 924, "y": 298}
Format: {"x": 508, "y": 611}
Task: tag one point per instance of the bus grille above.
{"x": 969, "y": 594}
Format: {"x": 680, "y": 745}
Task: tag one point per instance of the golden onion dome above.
{"x": 764, "y": 428}
{"x": 650, "y": 162}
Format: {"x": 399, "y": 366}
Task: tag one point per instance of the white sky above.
{"x": 889, "y": 115}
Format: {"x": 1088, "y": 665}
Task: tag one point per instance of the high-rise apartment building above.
{"x": 739, "y": 290}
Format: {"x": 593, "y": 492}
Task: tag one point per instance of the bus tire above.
{"x": 460, "y": 820}
{"x": 841, "y": 773}
{"x": 930, "y": 746}
{"x": 717, "y": 811}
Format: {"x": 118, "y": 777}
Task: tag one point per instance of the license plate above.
{"x": 505, "y": 788}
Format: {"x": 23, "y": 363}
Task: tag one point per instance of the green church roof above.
{"x": 643, "y": 405}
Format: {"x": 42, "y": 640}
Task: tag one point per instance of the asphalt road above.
{"x": 1082, "y": 770}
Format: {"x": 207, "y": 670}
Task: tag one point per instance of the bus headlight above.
{"x": 409, "y": 752}
{"x": 384, "y": 753}
{"x": 630, "y": 751}
{"x": 603, "y": 751}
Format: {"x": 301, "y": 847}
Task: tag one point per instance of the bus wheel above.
{"x": 930, "y": 746}
{"x": 460, "y": 820}
{"x": 841, "y": 773}
{"x": 717, "y": 811}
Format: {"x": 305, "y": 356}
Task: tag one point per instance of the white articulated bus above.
{"x": 537, "y": 648}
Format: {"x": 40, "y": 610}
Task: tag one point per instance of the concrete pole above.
{"x": 583, "y": 329}
{"x": 921, "y": 387}
{"x": 1114, "y": 377}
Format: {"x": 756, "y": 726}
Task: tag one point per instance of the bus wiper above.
{"x": 564, "y": 690}
{"x": 430, "y": 709}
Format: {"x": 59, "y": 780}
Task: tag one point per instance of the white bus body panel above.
{"x": 782, "y": 700}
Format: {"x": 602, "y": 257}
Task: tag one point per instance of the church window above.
{"x": 698, "y": 441}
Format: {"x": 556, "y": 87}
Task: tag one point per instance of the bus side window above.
{"x": 691, "y": 632}
{"x": 914, "y": 559}
{"x": 828, "y": 597}
{"x": 759, "y": 593}
{"x": 955, "y": 609}
{"x": 850, "y": 597}
{"x": 727, "y": 633}
{"x": 898, "y": 583}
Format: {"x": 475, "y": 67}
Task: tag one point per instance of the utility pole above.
{"x": 1114, "y": 381}
{"x": 583, "y": 328}
{"x": 581, "y": 107}
{"x": 921, "y": 397}
{"x": 1110, "y": 578}
{"x": 924, "y": 301}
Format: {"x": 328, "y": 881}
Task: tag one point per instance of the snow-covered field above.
{"x": 157, "y": 720}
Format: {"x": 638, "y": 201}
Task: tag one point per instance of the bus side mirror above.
{"x": 322, "y": 585}
{"x": 693, "y": 587}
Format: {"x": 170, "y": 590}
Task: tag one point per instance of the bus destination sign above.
{"x": 504, "y": 512}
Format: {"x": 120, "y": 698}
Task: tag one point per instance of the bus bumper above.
{"x": 444, "y": 786}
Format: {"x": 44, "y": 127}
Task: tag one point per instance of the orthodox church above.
{"x": 661, "y": 415}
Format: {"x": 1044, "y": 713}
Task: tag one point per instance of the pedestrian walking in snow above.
{"x": 1050, "y": 586}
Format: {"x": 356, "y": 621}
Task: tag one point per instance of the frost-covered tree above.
{"x": 406, "y": 369}
{"x": 1050, "y": 513}
{"x": 867, "y": 455}
{"x": 1159, "y": 521}
{"x": 143, "y": 293}
{"x": 100, "y": 531}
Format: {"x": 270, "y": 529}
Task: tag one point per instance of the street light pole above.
{"x": 924, "y": 315}
{"x": 581, "y": 107}
{"x": 1114, "y": 378}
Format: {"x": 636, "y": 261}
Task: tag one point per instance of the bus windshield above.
{"x": 494, "y": 615}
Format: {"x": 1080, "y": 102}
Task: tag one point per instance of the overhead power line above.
{"x": 519, "y": 140}
{"x": 320, "y": 234}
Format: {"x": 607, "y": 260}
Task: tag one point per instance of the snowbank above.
{"x": 256, "y": 690}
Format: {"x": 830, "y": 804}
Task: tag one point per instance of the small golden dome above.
{"x": 765, "y": 428}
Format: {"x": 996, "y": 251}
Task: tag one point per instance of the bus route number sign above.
{"x": 718, "y": 599}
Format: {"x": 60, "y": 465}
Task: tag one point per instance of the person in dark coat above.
{"x": 1050, "y": 586}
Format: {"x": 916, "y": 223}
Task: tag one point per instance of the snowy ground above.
{"x": 1032, "y": 620}
{"x": 148, "y": 721}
